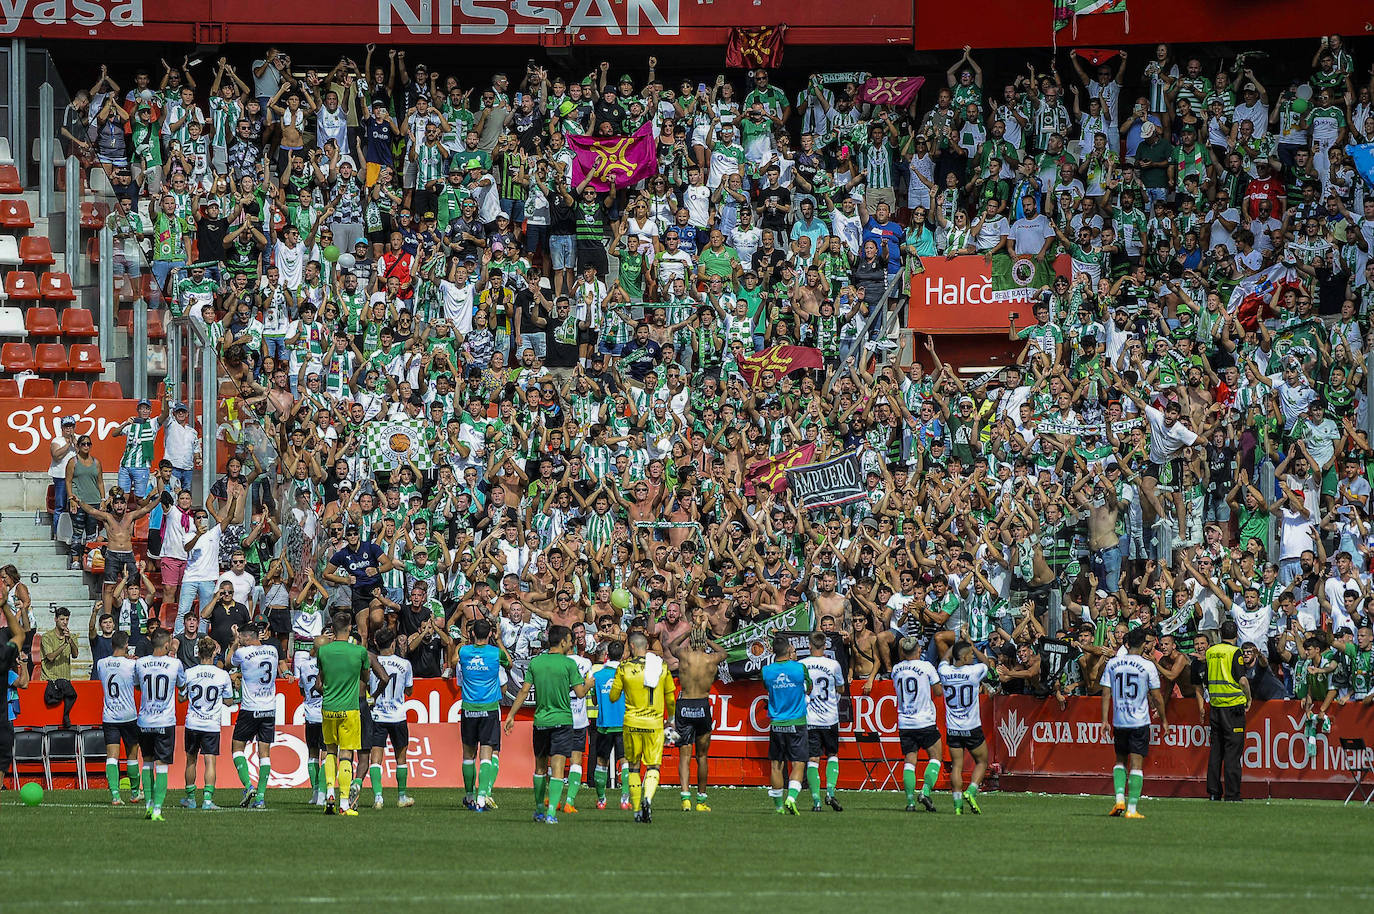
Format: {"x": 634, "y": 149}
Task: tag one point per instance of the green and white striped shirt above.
{"x": 139, "y": 437}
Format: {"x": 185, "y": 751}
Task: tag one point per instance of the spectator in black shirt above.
{"x": 211, "y": 230}
{"x": 225, "y": 615}
{"x": 428, "y": 647}
{"x": 775, "y": 200}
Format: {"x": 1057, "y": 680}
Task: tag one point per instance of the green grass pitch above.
{"x": 1024, "y": 853}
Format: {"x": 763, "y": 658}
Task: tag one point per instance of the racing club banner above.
{"x": 390, "y": 443}
{"x": 834, "y": 482}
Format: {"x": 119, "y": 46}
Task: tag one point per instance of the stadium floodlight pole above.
{"x": 107, "y": 294}
{"x": 73, "y": 221}
{"x": 1266, "y": 485}
{"x": 139, "y": 347}
{"x": 45, "y": 163}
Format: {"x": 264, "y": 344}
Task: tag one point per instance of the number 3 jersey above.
{"x": 1130, "y": 677}
{"x": 158, "y": 680}
{"x": 961, "y": 685}
{"x": 911, "y": 680}
{"x": 827, "y": 683}
{"x": 258, "y": 667}
{"x": 206, "y": 688}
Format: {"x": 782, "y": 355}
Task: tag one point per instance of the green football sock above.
{"x": 191, "y": 790}
{"x": 495, "y": 771}
{"x": 813, "y": 778}
{"x": 313, "y": 767}
{"x": 1119, "y": 782}
{"x": 356, "y": 783}
{"x": 541, "y": 787}
{"x": 150, "y": 781}
{"x": 932, "y": 772}
{"x": 112, "y": 776}
{"x": 909, "y": 783}
{"x": 401, "y": 775}
{"x": 793, "y": 788}
{"x": 159, "y": 787}
{"x": 209, "y": 793}
{"x": 1137, "y": 780}
{"x": 469, "y": 775}
{"x": 958, "y": 799}
{"x": 555, "y": 794}
{"x": 264, "y": 774}
{"x": 624, "y": 779}
{"x": 241, "y": 765}
{"x": 486, "y": 773}
{"x": 972, "y": 790}
{"x": 574, "y": 782}
{"x": 374, "y": 774}
{"x": 777, "y": 796}
{"x": 131, "y": 768}
{"x": 599, "y": 777}
{"x": 832, "y": 774}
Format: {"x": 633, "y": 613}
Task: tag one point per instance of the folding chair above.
{"x": 876, "y": 763}
{"x": 30, "y": 748}
{"x": 1358, "y": 758}
{"x": 64, "y": 745}
{"x": 92, "y": 744}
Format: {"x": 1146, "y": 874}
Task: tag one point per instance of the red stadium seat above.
{"x": 9, "y": 180}
{"x": 9, "y": 389}
{"x": 38, "y": 387}
{"x": 17, "y": 357}
{"x": 86, "y": 359}
{"x": 42, "y": 322}
{"x": 52, "y": 358}
{"x": 93, "y": 215}
{"x": 56, "y": 287}
{"x": 22, "y": 285}
{"x": 106, "y": 390}
{"x": 156, "y": 329}
{"x": 78, "y": 322}
{"x": 73, "y": 390}
{"x": 36, "y": 250}
{"x": 14, "y": 214}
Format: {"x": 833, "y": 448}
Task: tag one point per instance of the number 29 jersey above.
{"x": 961, "y": 685}
{"x": 206, "y": 688}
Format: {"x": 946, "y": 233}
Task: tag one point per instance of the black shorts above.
{"x": 606, "y": 742}
{"x": 1168, "y": 475}
{"x": 279, "y": 621}
{"x": 588, "y": 337}
{"x": 918, "y": 739}
{"x": 360, "y": 599}
{"x": 580, "y": 739}
{"x": 822, "y": 742}
{"x": 965, "y": 739}
{"x": 116, "y": 563}
{"x": 1131, "y": 740}
{"x": 254, "y": 725}
{"x": 398, "y": 733}
{"x": 201, "y": 742}
{"x": 158, "y": 744}
{"x": 122, "y": 734}
{"x": 551, "y": 741}
{"x": 693, "y": 720}
{"x": 364, "y": 726}
{"x": 482, "y": 728}
{"x": 594, "y": 253}
{"x": 314, "y": 738}
{"x": 787, "y": 744}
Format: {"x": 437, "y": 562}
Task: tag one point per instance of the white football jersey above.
{"x": 258, "y": 666}
{"x": 579, "y": 705}
{"x": 961, "y": 685}
{"x": 827, "y": 686}
{"x": 158, "y": 680}
{"x": 1130, "y": 677}
{"x": 206, "y": 688}
{"x": 911, "y": 680}
{"x": 308, "y": 678}
{"x": 117, "y": 676}
{"x": 390, "y": 706}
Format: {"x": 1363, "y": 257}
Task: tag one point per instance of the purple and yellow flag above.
{"x": 614, "y": 161}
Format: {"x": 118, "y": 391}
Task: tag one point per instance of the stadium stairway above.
{"x": 26, "y": 542}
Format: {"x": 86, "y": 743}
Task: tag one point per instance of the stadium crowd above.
{"x": 385, "y": 242}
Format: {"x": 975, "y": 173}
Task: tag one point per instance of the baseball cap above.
{"x": 145, "y": 402}
{"x": 68, "y": 420}
{"x": 179, "y": 407}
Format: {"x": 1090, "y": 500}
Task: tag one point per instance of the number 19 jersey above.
{"x": 827, "y": 681}
{"x": 961, "y": 685}
{"x": 1130, "y": 677}
{"x": 911, "y": 680}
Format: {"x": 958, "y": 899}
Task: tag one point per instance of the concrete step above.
{"x": 19, "y": 524}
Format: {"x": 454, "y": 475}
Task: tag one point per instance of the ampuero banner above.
{"x": 833, "y": 482}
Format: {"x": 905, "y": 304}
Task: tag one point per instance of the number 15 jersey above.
{"x": 1130, "y": 677}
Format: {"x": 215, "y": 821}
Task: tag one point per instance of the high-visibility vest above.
{"x": 1222, "y": 688}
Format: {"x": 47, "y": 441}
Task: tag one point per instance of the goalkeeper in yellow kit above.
{"x": 650, "y": 697}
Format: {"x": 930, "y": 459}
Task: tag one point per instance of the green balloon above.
{"x": 331, "y": 253}
{"x": 620, "y": 599}
{"x": 31, "y": 794}
{"x": 1299, "y": 105}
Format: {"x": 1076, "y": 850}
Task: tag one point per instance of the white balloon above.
{"x": 347, "y": 262}
{"x": 146, "y": 95}
{"x": 1304, "y": 91}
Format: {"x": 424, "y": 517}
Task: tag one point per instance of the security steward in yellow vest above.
{"x": 1229, "y": 693}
